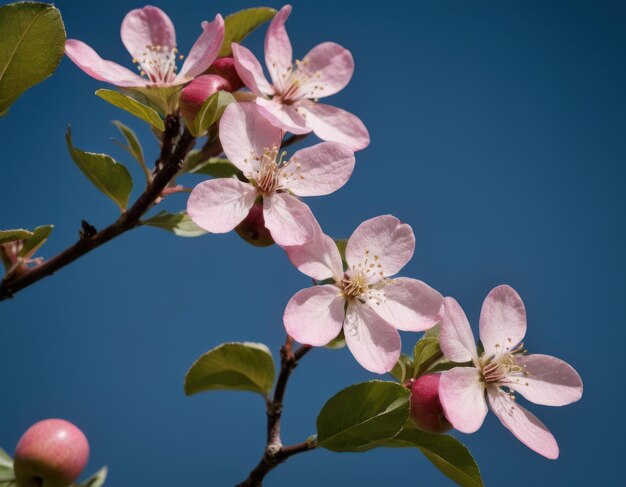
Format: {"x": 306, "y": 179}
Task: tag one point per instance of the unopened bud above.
{"x": 196, "y": 93}
{"x": 252, "y": 228}
{"x": 426, "y": 410}
{"x": 225, "y": 67}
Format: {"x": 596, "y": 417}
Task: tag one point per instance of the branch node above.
{"x": 87, "y": 230}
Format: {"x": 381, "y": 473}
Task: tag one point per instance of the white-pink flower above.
{"x": 149, "y": 36}
{"x": 369, "y": 306}
{"x": 252, "y": 144}
{"x": 500, "y": 371}
{"x": 290, "y": 102}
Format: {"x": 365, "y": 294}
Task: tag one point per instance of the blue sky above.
{"x": 497, "y": 133}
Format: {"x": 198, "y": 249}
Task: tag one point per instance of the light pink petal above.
{"x": 502, "y": 320}
{"x": 522, "y": 423}
{"x": 374, "y": 343}
{"x": 148, "y": 26}
{"x": 278, "y": 52}
{"x": 91, "y": 63}
{"x": 462, "y": 396}
{"x": 456, "y": 339}
{"x": 204, "y": 51}
{"x": 318, "y": 258}
{"x": 290, "y": 221}
{"x": 329, "y": 68}
{"x": 287, "y": 117}
{"x": 407, "y": 304}
{"x": 314, "y": 316}
{"x": 219, "y": 205}
{"x": 547, "y": 380}
{"x": 334, "y": 124}
{"x": 383, "y": 241}
{"x": 250, "y": 71}
{"x": 245, "y": 134}
{"x": 318, "y": 170}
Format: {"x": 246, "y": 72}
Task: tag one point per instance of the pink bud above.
{"x": 52, "y": 453}
{"x": 225, "y": 67}
{"x": 252, "y": 228}
{"x": 195, "y": 94}
{"x": 426, "y": 410}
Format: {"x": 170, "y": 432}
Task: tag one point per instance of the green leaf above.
{"x": 240, "y": 366}
{"x": 217, "y": 167}
{"x": 239, "y": 25}
{"x": 133, "y": 107}
{"x": 338, "y": 342}
{"x": 178, "y": 223}
{"x": 341, "y": 246}
{"x": 33, "y": 43}
{"x": 7, "y": 236}
{"x": 425, "y": 354}
{"x": 32, "y": 244}
{"x": 110, "y": 177}
{"x": 448, "y": 454}
{"x": 7, "y": 477}
{"x": 96, "y": 480}
{"x": 210, "y": 112}
{"x": 403, "y": 369}
{"x": 134, "y": 146}
{"x": 363, "y": 416}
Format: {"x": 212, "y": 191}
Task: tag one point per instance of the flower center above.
{"x": 353, "y": 286}
{"x": 158, "y": 63}
{"x": 499, "y": 370}
{"x": 267, "y": 178}
{"x": 299, "y": 83}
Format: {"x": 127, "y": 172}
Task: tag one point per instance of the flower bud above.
{"x": 225, "y": 67}
{"x": 252, "y": 228}
{"x": 426, "y": 410}
{"x": 52, "y": 453}
{"x": 195, "y": 94}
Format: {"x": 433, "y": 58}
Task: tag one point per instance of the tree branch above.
{"x": 275, "y": 453}
{"x": 170, "y": 161}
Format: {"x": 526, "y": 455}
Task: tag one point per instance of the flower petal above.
{"x": 383, "y": 241}
{"x": 319, "y": 258}
{"x": 334, "y": 124}
{"x": 91, "y": 63}
{"x": 407, "y": 304}
{"x": 245, "y": 134}
{"x": 278, "y": 52}
{"x": 148, "y": 26}
{"x": 522, "y": 423}
{"x": 314, "y": 316}
{"x": 286, "y": 117}
{"x": 329, "y": 67}
{"x": 462, "y": 396}
{"x": 456, "y": 339}
{"x": 204, "y": 51}
{"x": 547, "y": 380}
{"x": 290, "y": 221}
{"x": 318, "y": 170}
{"x": 219, "y": 205}
{"x": 250, "y": 71}
{"x": 502, "y": 320}
{"x": 374, "y": 343}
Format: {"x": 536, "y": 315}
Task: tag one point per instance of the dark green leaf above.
{"x": 239, "y": 25}
{"x": 210, "y": 112}
{"x": 133, "y": 107}
{"x": 403, "y": 369}
{"x": 32, "y": 244}
{"x": 363, "y": 416}
{"x": 217, "y": 167}
{"x": 239, "y": 366}
{"x": 448, "y": 454}
{"x": 425, "y": 354}
{"x": 96, "y": 480}
{"x": 341, "y": 246}
{"x": 110, "y": 177}
{"x": 178, "y": 223}
{"x": 7, "y": 236}
{"x": 134, "y": 146}
{"x": 33, "y": 42}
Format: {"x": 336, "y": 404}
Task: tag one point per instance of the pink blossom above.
{"x": 290, "y": 102}
{"x": 149, "y": 36}
{"x": 369, "y": 306}
{"x": 252, "y": 144}
{"x": 500, "y": 371}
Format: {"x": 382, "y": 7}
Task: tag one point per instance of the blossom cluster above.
{"x": 355, "y": 294}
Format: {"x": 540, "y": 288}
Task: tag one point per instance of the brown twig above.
{"x": 275, "y": 453}
{"x": 171, "y": 160}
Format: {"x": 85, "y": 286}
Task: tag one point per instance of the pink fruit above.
{"x": 225, "y": 67}
{"x": 426, "y": 410}
{"x": 195, "y": 94}
{"x": 52, "y": 453}
{"x": 252, "y": 228}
